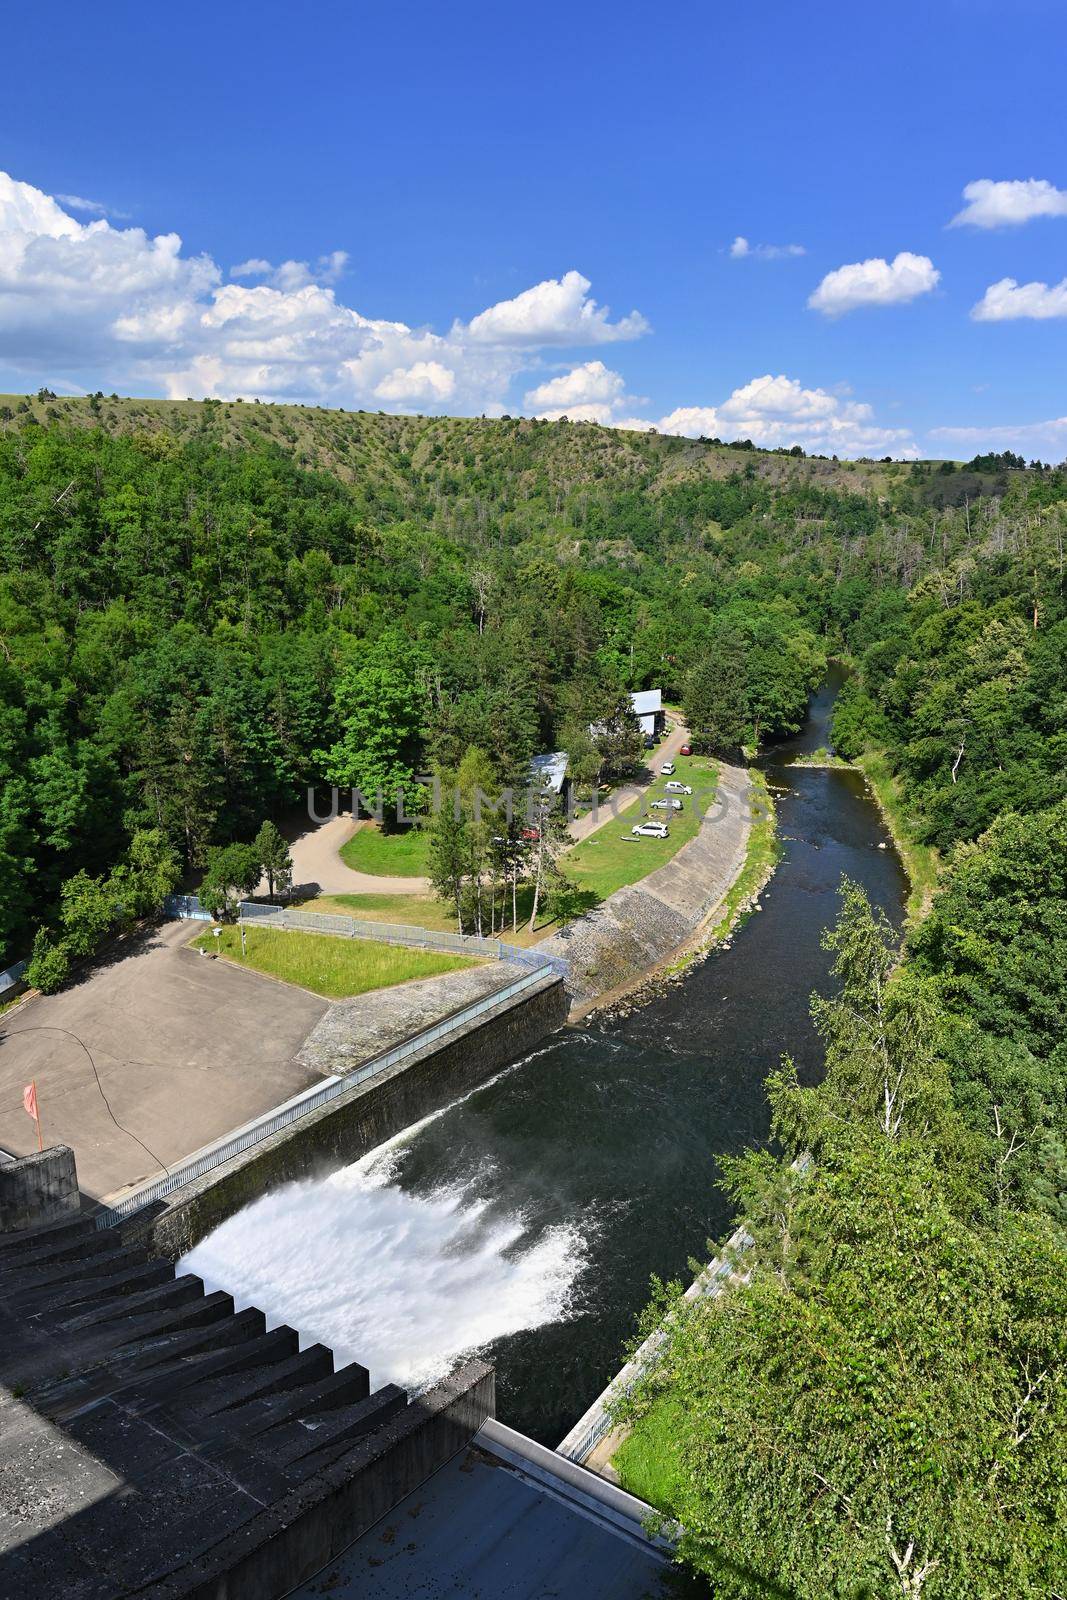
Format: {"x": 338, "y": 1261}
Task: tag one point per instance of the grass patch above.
{"x": 922, "y": 862}
{"x": 335, "y": 968}
{"x": 611, "y": 858}
{"x": 425, "y": 911}
{"x": 822, "y": 757}
{"x": 647, "y": 1459}
{"x": 761, "y": 853}
{"x": 403, "y": 854}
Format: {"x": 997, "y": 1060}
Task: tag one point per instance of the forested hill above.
{"x": 204, "y": 606}
{"x": 534, "y": 474}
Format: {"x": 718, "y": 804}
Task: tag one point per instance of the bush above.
{"x": 48, "y": 965}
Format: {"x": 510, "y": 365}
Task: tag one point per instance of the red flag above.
{"x": 29, "y": 1101}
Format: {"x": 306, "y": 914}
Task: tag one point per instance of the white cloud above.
{"x": 740, "y": 250}
{"x": 294, "y": 274}
{"x": 424, "y": 380}
{"x": 558, "y": 311}
{"x": 1033, "y": 439}
{"x": 876, "y": 282}
{"x": 92, "y": 208}
{"x": 86, "y": 304}
{"x": 588, "y": 393}
{"x": 1007, "y": 204}
{"x": 778, "y": 411}
{"x": 1008, "y": 300}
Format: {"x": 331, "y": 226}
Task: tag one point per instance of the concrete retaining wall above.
{"x": 38, "y": 1189}
{"x": 353, "y": 1124}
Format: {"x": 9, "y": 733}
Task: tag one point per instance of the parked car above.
{"x": 531, "y": 835}
{"x": 652, "y": 830}
{"x": 670, "y": 804}
{"x": 678, "y": 788}
{"x": 686, "y": 750}
{"x": 666, "y": 769}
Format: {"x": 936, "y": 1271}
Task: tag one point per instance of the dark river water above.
{"x": 526, "y": 1221}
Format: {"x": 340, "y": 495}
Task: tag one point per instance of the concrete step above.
{"x": 27, "y": 1240}
{"x": 158, "y": 1352}
{"x": 65, "y": 1246}
{"x": 155, "y": 1298}
{"x": 59, "y": 1289}
{"x": 204, "y": 1367}
{"x": 133, "y": 1331}
{"x": 225, "y": 1395}
{"x": 350, "y": 1385}
{"x": 310, "y": 1446}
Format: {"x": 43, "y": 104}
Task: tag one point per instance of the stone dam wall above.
{"x": 353, "y": 1124}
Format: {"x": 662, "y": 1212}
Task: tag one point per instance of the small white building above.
{"x": 547, "y": 772}
{"x": 648, "y": 709}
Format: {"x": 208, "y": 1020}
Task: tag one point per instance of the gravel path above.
{"x": 318, "y": 868}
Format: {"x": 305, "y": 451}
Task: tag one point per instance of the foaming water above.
{"x": 407, "y": 1284}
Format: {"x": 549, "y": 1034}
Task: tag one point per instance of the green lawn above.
{"x": 606, "y": 861}
{"x": 402, "y": 854}
{"x": 425, "y": 911}
{"x": 646, "y": 1461}
{"x": 335, "y": 968}
{"x": 613, "y": 856}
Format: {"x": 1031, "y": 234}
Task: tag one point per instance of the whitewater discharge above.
{"x": 406, "y": 1284}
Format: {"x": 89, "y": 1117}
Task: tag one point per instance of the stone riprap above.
{"x": 353, "y": 1031}
{"x": 639, "y": 926}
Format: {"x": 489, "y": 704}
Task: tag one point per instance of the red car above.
{"x": 686, "y": 750}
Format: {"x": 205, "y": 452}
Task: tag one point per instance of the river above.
{"x": 525, "y": 1222}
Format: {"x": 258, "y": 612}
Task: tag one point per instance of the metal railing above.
{"x": 215, "y": 1155}
{"x": 598, "y": 1421}
{"x": 343, "y": 927}
{"x": 13, "y": 978}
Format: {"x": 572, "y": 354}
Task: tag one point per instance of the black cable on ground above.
{"x": 129, "y": 1134}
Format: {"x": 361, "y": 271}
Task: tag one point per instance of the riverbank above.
{"x": 762, "y": 854}
{"x": 617, "y": 948}
{"x": 922, "y": 862}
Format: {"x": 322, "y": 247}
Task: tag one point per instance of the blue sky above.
{"x": 495, "y": 177}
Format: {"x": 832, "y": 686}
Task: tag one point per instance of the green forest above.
{"x": 205, "y": 608}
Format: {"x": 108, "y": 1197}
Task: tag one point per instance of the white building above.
{"x": 547, "y": 772}
{"x": 648, "y": 709}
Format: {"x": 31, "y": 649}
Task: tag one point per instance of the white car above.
{"x": 666, "y": 769}
{"x": 670, "y": 804}
{"x": 678, "y": 788}
{"x": 652, "y": 830}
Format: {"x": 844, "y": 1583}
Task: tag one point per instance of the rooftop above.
{"x": 549, "y": 770}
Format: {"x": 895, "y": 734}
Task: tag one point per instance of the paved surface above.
{"x": 186, "y": 1049}
{"x": 477, "y": 1531}
{"x": 352, "y": 1031}
{"x": 318, "y": 868}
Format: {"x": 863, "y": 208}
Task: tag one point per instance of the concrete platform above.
{"x": 185, "y": 1048}
{"x": 480, "y": 1531}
